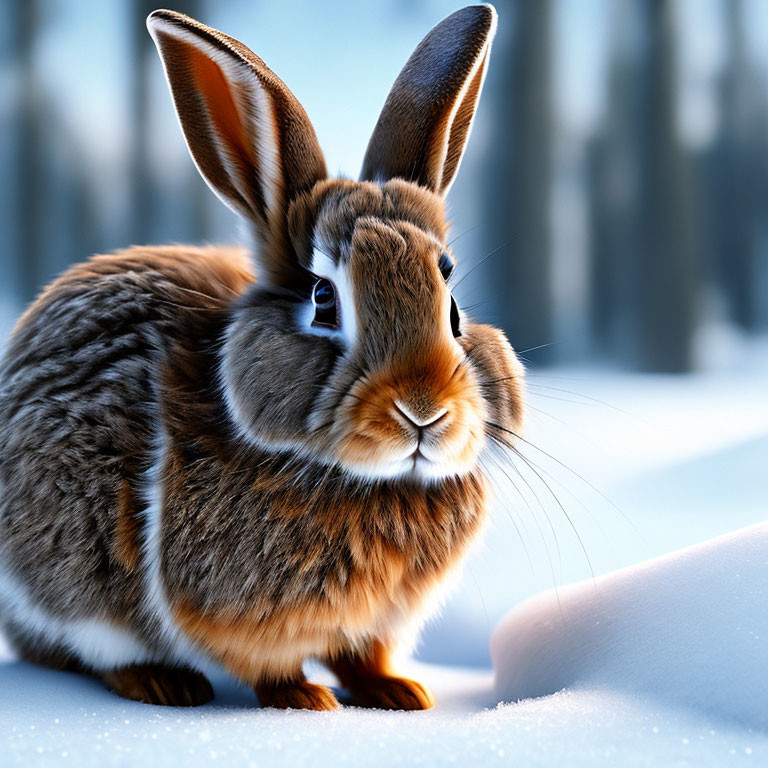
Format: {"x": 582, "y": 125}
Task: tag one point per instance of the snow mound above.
{"x": 689, "y": 628}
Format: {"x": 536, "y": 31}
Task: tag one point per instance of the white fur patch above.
{"x": 179, "y": 647}
{"x": 428, "y": 472}
{"x": 98, "y": 643}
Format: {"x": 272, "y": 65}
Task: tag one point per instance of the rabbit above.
{"x": 211, "y": 459}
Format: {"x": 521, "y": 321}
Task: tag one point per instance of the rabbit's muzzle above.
{"x": 424, "y": 420}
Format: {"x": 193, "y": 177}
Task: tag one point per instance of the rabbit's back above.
{"x": 77, "y": 419}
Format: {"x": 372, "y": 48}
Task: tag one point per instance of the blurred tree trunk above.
{"x": 520, "y": 179}
{"x": 29, "y": 167}
{"x": 664, "y": 272}
{"x": 613, "y": 168}
{"x": 737, "y": 171}
{"x": 10, "y": 278}
{"x": 141, "y": 187}
{"x": 147, "y": 203}
{"x": 759, "y": 149}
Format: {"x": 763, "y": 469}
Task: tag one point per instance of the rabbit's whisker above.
{"x": 541, "y": 478}
{"x": 465, "y": 232}
{"x": 532, "y": 512}
{"x": 484, "y": 259}
{"x": 539, "y": 346}
{"x": 532, "y": 491}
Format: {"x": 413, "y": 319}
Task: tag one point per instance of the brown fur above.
{"x": 76, "y": 395}
{"x": 153, "y": 684}
{"x": 276, "y": 544}
{"x": 296, "y": 693}
{"x": 128, "y": 527}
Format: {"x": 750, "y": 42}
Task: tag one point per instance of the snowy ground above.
{"x": 55, "y": 718}
{"x": 673, "y": 461}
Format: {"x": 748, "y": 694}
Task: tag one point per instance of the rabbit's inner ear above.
{"x": 248, "y": 135}
{"x": 232, "y": 147}
{"x": 214, "y": 95}
{"x": 459, "y": 123}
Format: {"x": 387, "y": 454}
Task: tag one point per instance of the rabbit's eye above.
{"x": 445, "y": 265}
{"x": 455, "y": 319}
{"x": 326, "y": 304}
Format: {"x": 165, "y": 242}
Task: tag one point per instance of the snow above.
{"x": 673, "y": 678}
{"x": 689, "y": 628}
{"x": 58, "y": 718}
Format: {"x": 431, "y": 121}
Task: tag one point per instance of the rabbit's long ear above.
{"x": 248, "y": 135}
{"x": 425, "y": 123}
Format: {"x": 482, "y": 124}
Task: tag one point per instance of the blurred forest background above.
{"x": 613, "y": 204}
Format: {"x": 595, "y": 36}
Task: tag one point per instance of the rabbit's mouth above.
{"x": 428, "y": 465}
{"x": 426, "y": 468}
{"x": 415, "y": 466}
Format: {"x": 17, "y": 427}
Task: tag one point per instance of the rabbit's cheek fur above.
{"x": 500, "y": 376}
{"x": 270, "y": 374}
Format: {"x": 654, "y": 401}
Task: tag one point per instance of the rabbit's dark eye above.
{"x": 455, "y": 319}
{"x": 445, "y": 265}
{"x": 326, "y": 304}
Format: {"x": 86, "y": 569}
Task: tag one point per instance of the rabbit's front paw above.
{"x": 392, "y": 693}
{"x": 297, "y": 695}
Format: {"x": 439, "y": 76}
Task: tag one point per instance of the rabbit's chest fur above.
{"x": 264, "y": 560}
{"x": 322, "y": 565}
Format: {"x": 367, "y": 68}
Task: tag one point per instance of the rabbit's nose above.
{"x": 421, "y": 419}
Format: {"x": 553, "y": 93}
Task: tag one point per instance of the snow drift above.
{"x": 690, "y": 628}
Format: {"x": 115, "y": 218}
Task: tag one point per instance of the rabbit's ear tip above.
{"x": 159, "y": 16}
{"x": 154, "y": 17}
{"x": 481, "y": 9}
{"x": 491, "y": 10}
{"x": 487, "y": 8}
{"x": 472, "y": 22}
{"x": 484, "y": 12}
{"x": 483, "y": 17}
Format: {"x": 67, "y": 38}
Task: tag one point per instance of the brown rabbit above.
{"x": 201, "y": 470}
